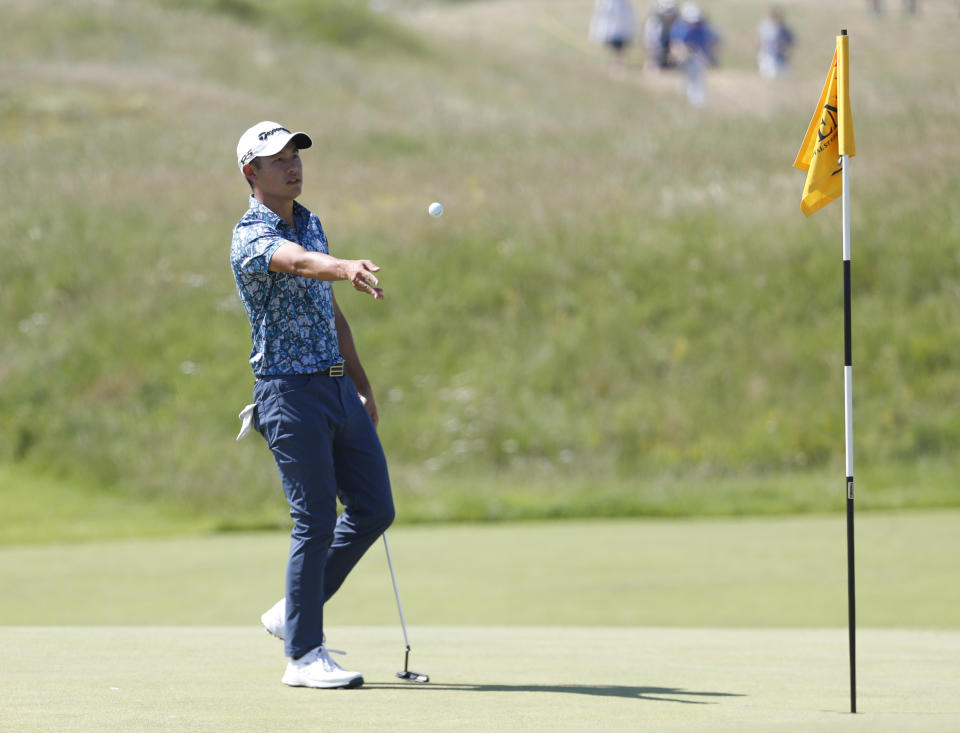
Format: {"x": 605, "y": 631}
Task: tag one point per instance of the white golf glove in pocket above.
{"x": 246, "y": 421}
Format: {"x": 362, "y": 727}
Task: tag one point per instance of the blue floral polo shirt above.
{"x": 291, "y": 317}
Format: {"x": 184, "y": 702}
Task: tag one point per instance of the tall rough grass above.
{"x": 622, "y": 311}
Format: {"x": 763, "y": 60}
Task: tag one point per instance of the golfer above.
{"x": 313, "y": 402}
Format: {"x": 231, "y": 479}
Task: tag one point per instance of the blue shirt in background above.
{"x": 697, "y": 37}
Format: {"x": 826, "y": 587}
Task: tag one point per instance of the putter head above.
{"x": 411, "y": 676}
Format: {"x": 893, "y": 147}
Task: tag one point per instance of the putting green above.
{"x": 712, "y": 625}
{"x": 749, "y": 573}
{"x": 494, "y": 678}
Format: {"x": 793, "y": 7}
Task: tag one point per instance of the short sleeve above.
{"x": 254, "y": 245}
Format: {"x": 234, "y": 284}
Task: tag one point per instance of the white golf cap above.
{"x": 268, "y": 138}
{"x": 691, "y": 13}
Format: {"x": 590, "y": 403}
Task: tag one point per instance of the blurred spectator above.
{"x": 694, "y": 43}
{"x": 775, "y": 41}
{"x": 656, "y": 35}
{"x": 613, "y": 25}
{"x": 875, "y": 6}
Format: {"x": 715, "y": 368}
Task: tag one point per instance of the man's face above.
{"x": 280, "y": 175}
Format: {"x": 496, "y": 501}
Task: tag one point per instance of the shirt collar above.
{"x": 300, "y": 213}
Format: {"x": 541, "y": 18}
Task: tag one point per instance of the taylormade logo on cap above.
{"x": 268, "y": 138}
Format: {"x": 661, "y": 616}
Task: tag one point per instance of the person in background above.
{"x": 775, "y": 42}
{"x": 613, "y": 25}
{"x": 694, "y": 43}
{"x": 656, "y": 35}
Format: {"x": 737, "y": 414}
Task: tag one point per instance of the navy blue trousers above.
{"x": 326, "y": 448}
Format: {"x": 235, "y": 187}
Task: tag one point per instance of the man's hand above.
{"x": 360, "y": 274}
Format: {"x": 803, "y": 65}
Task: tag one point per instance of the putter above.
{"x": 407, "y": 673}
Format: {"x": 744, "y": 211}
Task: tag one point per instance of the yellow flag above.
{"x": 829, "y": 136}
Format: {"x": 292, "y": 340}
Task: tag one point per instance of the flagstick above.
{"x": 848, "y": 416}
{"x": 848, "y": 429}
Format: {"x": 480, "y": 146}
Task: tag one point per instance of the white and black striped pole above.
{"x": 848, "y": 425}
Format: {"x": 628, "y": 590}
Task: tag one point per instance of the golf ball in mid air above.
{"x": 435, "y": 209}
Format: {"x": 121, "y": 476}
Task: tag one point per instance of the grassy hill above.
{"x": 622, "y": 311}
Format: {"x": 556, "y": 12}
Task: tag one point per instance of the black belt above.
{"x": 334, "y": 370}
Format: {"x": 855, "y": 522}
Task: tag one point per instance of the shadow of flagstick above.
{"x": 654, "y": 694}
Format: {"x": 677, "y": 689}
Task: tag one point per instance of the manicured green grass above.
{"x": 486, "y": 678}
{"x": 754, "y": 573}
{"x": 688, "y": 625}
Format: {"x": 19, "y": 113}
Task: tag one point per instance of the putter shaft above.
{"x": 406, "y": 674}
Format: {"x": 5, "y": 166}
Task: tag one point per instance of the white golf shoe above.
{"x": 317, "y": 669}
{"x": 275, "y": 620}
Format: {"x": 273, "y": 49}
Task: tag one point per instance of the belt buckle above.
{"x": 336, "y": 370}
